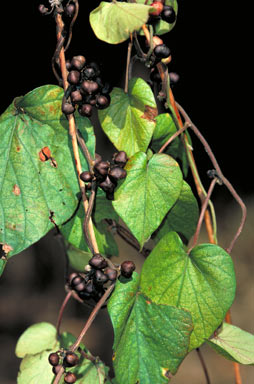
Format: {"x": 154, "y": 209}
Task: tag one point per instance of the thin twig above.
{"x": 60, "y": 314}
{"x": 202, "y": 361}
{"x": 130, "y": 45}
{"x": 88, "y": 217}
{"x": 172, "y": 138}
{"x": 85, "y": 150}
{"x": 223, "y": 179}
{"x": 72, "y": 23}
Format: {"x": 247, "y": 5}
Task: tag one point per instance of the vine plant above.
{"x": 52, "y": 177}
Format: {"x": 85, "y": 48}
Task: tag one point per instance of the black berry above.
{"x": 117, "y": 173}
{"x": 102, "y": 167}
{"x": 85, "y": 110}
{"x": 102, "y": 101}
{"x": 107, "y": 185}
{"x": 86, "y": 176}
{"x": 69, "y": 10}
{"x": 89, "y": 289}
{"x": 127, "y": 268}
{"x": 89, "y": 73}
{"x": 56, "y": 369}
{"x": 67, "y": 108}
{"x": 120, "y": 158}
{"x": 70, "y": 359}
{"x": 168, "y": 14}
{"x": 100, "y": 277}
{"x": 53, "y": 359}
{"x": 80, "y": 287}
{"x": 98, "y": 262}
{"x": 89, "y": 86}
{"x": 111, "y": 273}
{"x": 78, "y": 62}
{"x": 77, "y": 280}
{"x": 76, "y": 96}
{"x": 72, "y": 276}
{"x": 73, "y": 77}
{"x": 70, "y": 378}
{"x": 161, "y": 51}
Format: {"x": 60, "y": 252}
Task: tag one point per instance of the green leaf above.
{"x": 234, "y": 344}
{"x": 78, "y": 259}
{"x": 202, "y": 282}
{"x": 129, "y": 120}
{"x": 33, "y": 193}
{"x": 150, "y": 339}
{"x": 74, "y": 234}
{"x": 113, "y": 22}
{"x": 182, "y": 217}
{"x": 148, "y": 192}
{"x": 36, "y": 369}
{"x": 35, "y": 339}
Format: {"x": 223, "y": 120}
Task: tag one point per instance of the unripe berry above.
{"x": 73, "y": 77}
{"x": 127, "y": 268}
{"x": 70, "y": 378}
{"x": 158, "y": 7}
{"x": 53, "y": 359}
{"x": 98, "y": 262}
{"x": 70, "y": 359}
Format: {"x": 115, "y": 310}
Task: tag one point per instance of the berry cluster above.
{"x": 69, "y": 9}
{"x": 90, "y": 284}
{"x": 65, "y": 359}
{"x": 86, "y": 88}
{"x": 106, "y": 174}
{"x": 162, "y": 11}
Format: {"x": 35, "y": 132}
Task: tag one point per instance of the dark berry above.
{"x": 73, "y": 77}
{"x": 53, "y": 359}
{"x": 98, "y": 262}
{"x": 89, "y": 288}
{"x": 78, "y": 62}
{"x": 81, "y": 286}
{"x": 111, "y": 273}
{"x": 69, "y": 10}
{"x": 86, "y": 176}
{"x": 56, "y": 369}
{"x": 100, "y": 277}
{"x": 174, "y": 78}
{"x": 85, "y": 110}
{"x": 117, "y": 173}
{"x": 102, "y": 167}
{"x": 99, "y": 82}
{"x": 120, "y": 158}
{"x": 127, "y": 268}
{"x": 77, "y": 280}
{"x": 72, "y": 276}
{"x": 96, "y": 68}
{"x": 168, "y": 14}
{"x": 89, "y": 86}
{"x": 158, "y": 7}
{"x": 67, "y": 108}
{"x": 106, "y": 89}
{"x": 102, "y": 101}
{"x": 70, "y": 378}
{"x": 98, "y": 158}
{"x": 76, "y": 96}
{"x": 161, "y": 51}
{"x": 68, "y": 65}
{"x": 89, "y": 73}
{"x": 107, "y": 185}
{"x": 70, "y": 359}
{"x": 84, "y": 295}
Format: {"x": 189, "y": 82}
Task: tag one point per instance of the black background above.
{"x": 208, "y": 54}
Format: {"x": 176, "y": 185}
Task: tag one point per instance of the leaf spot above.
{"x": 166, "y": 373}
{"x": 150, "y": 113}
{"x": 16, "y": 190}
{"x": 45, "y": 154}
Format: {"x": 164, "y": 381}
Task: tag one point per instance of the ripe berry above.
{"x": 161, "y": 51}
{"x": 127, "y": 268}
{"x": 86, "y": 176}
{"x": 168, "y": 14}
{"x": 96, "y": 68}
{"x": 70, "y": 378}
{"x": 120, "y": 158}
{"x": 73, "y": 77}
{"x": 107, "y": 185}
{"x": 56, "y": 369}
{"x": 117, "y": 173}
{"x": 76, "y": 96}
{"x": 78, "y": 62}
{"x": 89, "y": 73}
{"x": 81, "y": 286}
{"x": 67, "y": 108}
{"x": 158, "y": 7}
{"x": 98, "y": 262}
{"x": 100, "y": 277}
{"x": 77, "y": 280}
{"x": 68, "y": 65}
{"x": 69, "y": 10}
{"x": 70, "y": 359}
{"x": 102, "y": 101}
{"x": 85, "y": 110}
{"x": 53, "y": 359}
{"x": 89, "y": 288}
{"x": 89, "y": 86}
{"x": 111, "y": 273}
{"x": 102, "y": 167}
{"x": 72, "y": 276}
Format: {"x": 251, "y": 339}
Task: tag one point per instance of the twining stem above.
{"x": 130, "y": 45}
{"x": 89, "y": 322}
{"x": 202, "y": 361}
{"x": 60, "y": 314}
{"x": 73, "y": 133}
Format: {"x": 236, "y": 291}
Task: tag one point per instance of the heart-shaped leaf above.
{"x": 38, "y": 182}
{"x": 113, "y": 22}
{"x": 35, "y": 339}
{"x": 150, "y": 339}
{"x": 148, "y": 192}
{"x": 234, "y": 344}
{"x": 202, "y": 282}
{"x": 182, "y": 217}
{"x": 129, "y": 121}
